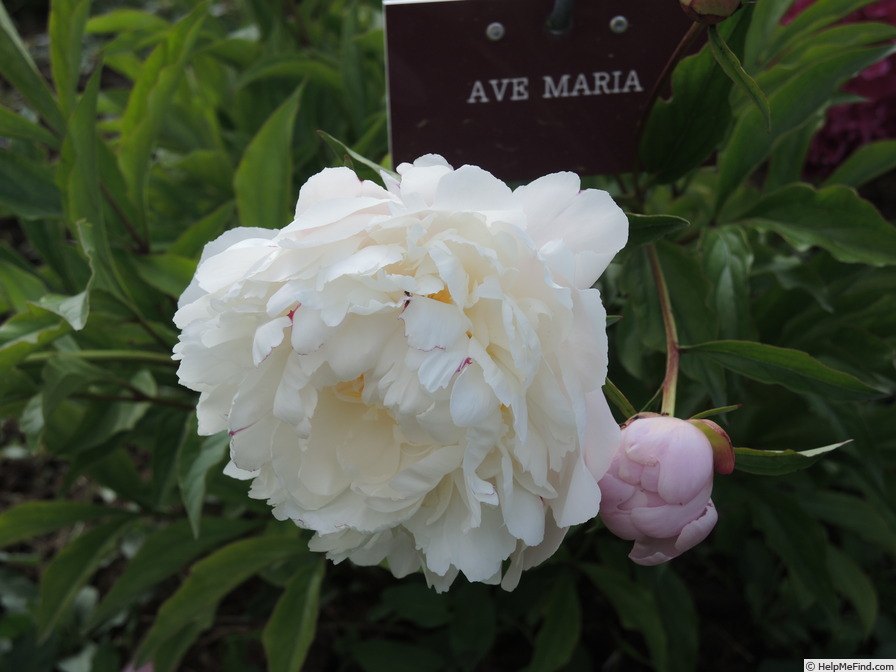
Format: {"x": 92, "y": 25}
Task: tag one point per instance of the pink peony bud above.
{"x": 657, "y": 490}
{"x": 709, "y": 11}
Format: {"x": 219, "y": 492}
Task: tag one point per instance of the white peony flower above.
{"x": 414, "y": 372}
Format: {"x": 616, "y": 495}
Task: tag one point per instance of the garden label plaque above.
{"x": 485, "y": 82}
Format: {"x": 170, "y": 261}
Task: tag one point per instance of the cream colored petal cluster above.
{"x": 414, "y": 372}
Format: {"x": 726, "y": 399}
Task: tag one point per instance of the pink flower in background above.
{"x": 657, "y": 489}
{"x": 850, "y": 126}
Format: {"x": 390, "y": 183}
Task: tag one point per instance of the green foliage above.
{"x": 141, "y": 135}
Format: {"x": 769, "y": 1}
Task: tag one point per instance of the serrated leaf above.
{"x": 646, "y": 229}
{"x": 209, "y": 581}
{"x": 164, "y": 553}
{"x": 834, "y": 218}
{"x": 263, "y": 181}
{"x": 779, "y": 462}
{"x": 290, "y": 630}
{"x": 195, "y": 456}
{"x": 794, "y": 369}
{"x": 72, "y": 567}
{"x": 32, "y": 519}
{"x": 559, "y": 632}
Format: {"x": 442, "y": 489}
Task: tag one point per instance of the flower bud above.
{"x": 709, "y": 11}
{"x": 657, "y": 490}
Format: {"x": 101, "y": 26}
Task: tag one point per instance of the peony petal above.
{"x": 472, "y": 400}
{"x": 431, "y": 324}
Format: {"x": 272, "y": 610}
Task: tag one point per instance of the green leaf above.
{"x": 791, "y": 104}
{"x": 344, "y": 151}
{"x": 618, "y": 399}
{"x": 18, "y": 68}
{"x": 14, "y": 125}
{"x": 731, "y": 66}
{"x": 779, "y": 462}
{"x": 73, "y": 309}
{"x": 209, "y": 581}
{"x": 290, "y": 630}
{"x": 559, "y": 633}
{"x": 834, "y": 218}
{"x": 28, "y": 331}
{"x": 195, "y": 457}
{"x": 472, "y": 622}
{"x": 807, "y": 23}
{"x": 799, "y": 540}
{"x": 636, "y": 607}
{"x": 855, "y": 586}
{"x": 150, "y": 101}
{"x": 291, "y": 66}
{"x": 78, "y": 175}
{"x": 646, "y": 229}
{"x": 72, "y": 567}
{"x": 32, "y": 519}
{"x": 19, "y": 283}
{"x": 679, "y": 616}
{"x": 855, "y": 515}
{"x": 681, "y": 133}
{"x": 65, "y": 375}
{"x": 67, "y": 21}
{"x": 27, "y": 188}
{"x": 190, "y": 243}
{"x": 865, "y": 164}
{"x": 167, "y": 658}
{"x": 168, "y": 273}
{"x": 691, "y": 294}
{"x": 794, "y": 369}
{"x": 164, "y": 553}
{"x": 126, "y": 20}
{"x": 263, "y": 181}
{"x": 381, "y": 655}
{"x": 727, "y": 258}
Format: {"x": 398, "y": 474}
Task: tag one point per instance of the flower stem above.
{"x": 673, "y": 352}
